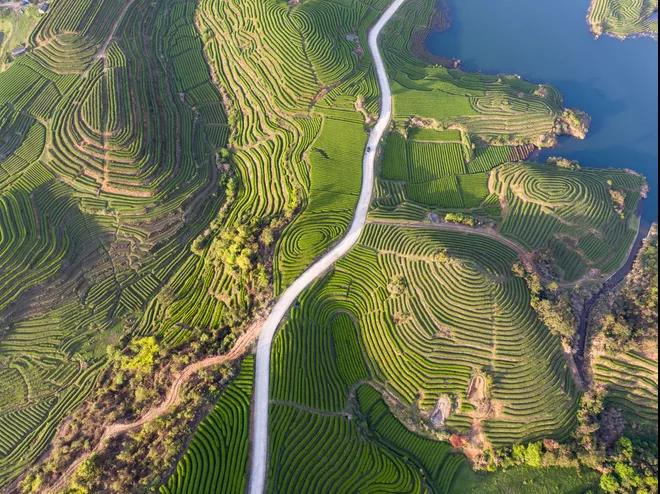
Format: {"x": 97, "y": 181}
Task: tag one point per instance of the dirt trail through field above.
{"x": 172, "y": 399}
{"x": 524, "y": 255}
{"x": 113, "y": 31}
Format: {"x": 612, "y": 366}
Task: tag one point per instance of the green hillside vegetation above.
{"x": 585, "y": 218}
{"x": 425, "y": 170}
{"x": 484, "y": 361}
{"x": 419, "y": 349}
{"x": 444, "y": 471}
{"x": 499, "y": 110}
{"x": 624, "y": 341}
{"x": 618, "y": 422}
{"x": 624, "y": 18}
{"x": 106, "y": 141}
{"x": 303, "y": 71}
{"x": 366, "y": 450}
{"x": 166, "y": 168}
{"x": 217, "y": 456}
{"x": 344, "y": 439}
{"x": 182, "y": 189}
{"x": 175, "y": 207}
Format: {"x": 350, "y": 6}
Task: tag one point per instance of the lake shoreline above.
{"x": 588, "y": 73}
{"x": 440, "y": 22}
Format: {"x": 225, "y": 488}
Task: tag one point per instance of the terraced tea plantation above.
{"x": 217, "y": 457}
{"x": 439, "y": 324}
{"x": 425, "y": 169}
{"x": 587, "y": 219}
{"x": 364, "y": 453}
{"x": 431, "y": 328}
{"x": 109, "y": 127}
{"x": 286, "y": 126}
{"x": 168, "y": 168}
{"x": 624, "y": 18}
{"x": 584, "y": 219}
{"x": 497, "y": 109}
{"x": 632, "y": 386}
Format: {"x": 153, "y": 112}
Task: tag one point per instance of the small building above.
{"x": 43, "y": 7}
{"x": 18, "y": 51}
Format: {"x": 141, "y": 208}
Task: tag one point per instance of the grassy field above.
{"x": 538, "y": 480}
{"x": 16, "y": 27}
{"x": 624, "y": 18}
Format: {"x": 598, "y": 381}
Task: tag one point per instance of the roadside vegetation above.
{"x": 217, "y": 457}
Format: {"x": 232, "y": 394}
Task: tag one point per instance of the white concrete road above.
{"x": 259, "y": 451}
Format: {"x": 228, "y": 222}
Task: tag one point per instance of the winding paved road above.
{"x": 259, "y": 450}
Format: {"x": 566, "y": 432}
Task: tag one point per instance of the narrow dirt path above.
{"x": 525, "y": 256}
{"x": 172, "y": 399}
{"x": 113, "y": 30}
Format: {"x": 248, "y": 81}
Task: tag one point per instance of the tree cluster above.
{"x": 461, "y": 219}
{"x": 552, "y": 304}
{"x": 629, "y": 318}
{"x": 627, "y": 466}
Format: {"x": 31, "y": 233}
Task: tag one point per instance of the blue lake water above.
{"x": 616, "y": 82}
